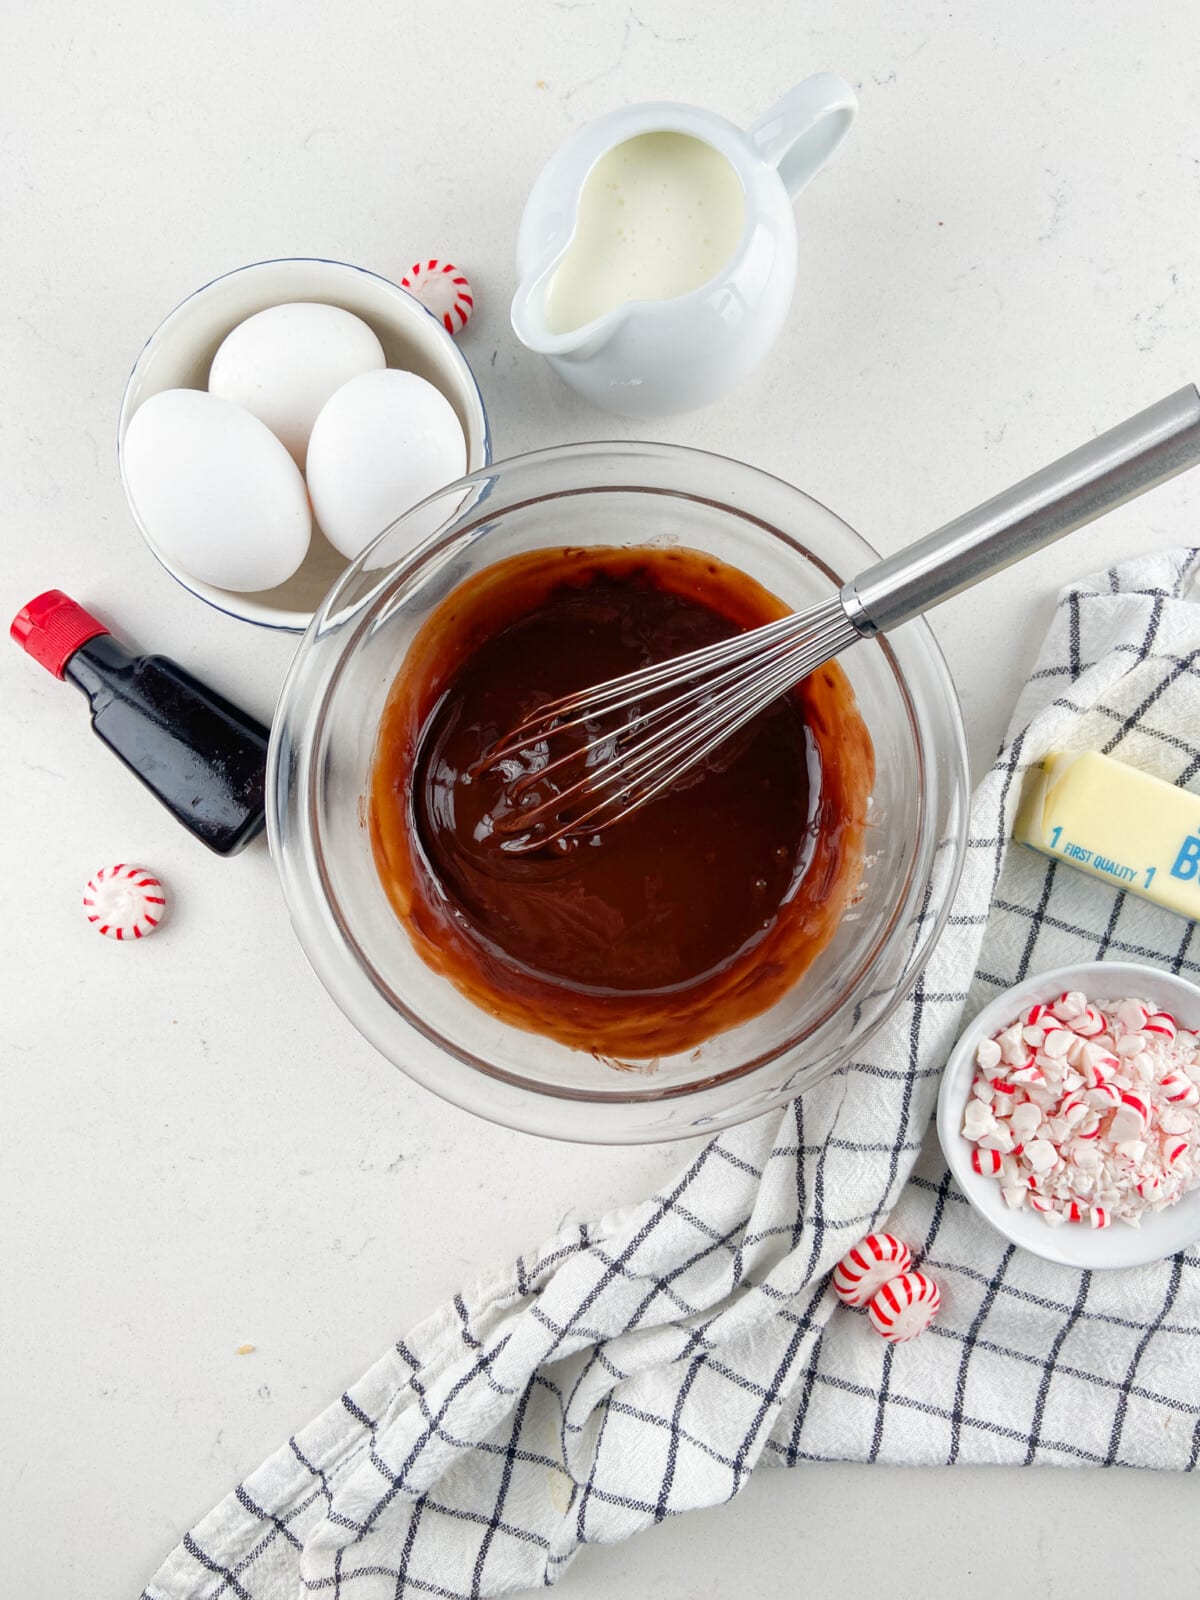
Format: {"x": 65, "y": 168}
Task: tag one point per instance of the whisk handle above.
{"x": 1119, "y": 465}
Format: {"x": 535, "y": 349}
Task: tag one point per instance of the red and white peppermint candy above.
{"x": 1100, "y": 1067}
{"x": 1089, "y": 1024}
{"x": 1173, "y": 1150}
{"x": 1030, "y": 1074}
{"x": 987, "y": 1056}
{"x": 1050, "y": 1213}
{"x": 1161, "y": 1023}
{"x": 124, "y": 902}
{"x": 1103, "y": 1097}
{"x": 442, "y": 289}
{"x": 986, "y": 1162}
{"x": 1069, "y": 1006}
{"x": 1179, "y": 1089}
{"x": 1131, "y": 1014}
{"x": 870, "y": 1264}
{"x": 1130, "y": 1118}
{"x": 905, "y": 1306}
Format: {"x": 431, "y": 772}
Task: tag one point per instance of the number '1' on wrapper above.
{"x": 1133, "y": 831}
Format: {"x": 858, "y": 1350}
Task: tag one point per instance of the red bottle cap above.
{"x": 52, "y": 627}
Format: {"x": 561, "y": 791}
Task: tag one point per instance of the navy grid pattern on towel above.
{"x": 644, "y": 1366}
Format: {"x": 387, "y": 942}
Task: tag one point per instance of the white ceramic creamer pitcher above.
{"x": 656, "y": 256}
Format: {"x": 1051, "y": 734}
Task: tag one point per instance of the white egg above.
{"x": 381, "y": 444}
{"x": 216, "y": 491}
{"x": 283, "y": 363}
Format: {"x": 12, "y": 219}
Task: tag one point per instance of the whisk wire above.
{"x": 687, "y": 727}
{"x": 571, "y": 711}
{"x": 693, "y": 741}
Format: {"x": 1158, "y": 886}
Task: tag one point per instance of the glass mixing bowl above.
{"x": 323, "y": 743}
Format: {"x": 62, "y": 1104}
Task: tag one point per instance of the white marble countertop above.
{"x": 199, "y": 1152}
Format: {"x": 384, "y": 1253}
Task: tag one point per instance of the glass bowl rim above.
{"x": 293, "y": 809}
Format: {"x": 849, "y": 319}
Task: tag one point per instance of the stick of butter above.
{"x": 1133, "y": 831}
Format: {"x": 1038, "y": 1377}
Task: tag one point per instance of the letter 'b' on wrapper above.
{"x": 1188, "y": 860}
{"x": 1129, "y": 829}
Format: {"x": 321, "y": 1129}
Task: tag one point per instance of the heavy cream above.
{"x": 659, "y": 215}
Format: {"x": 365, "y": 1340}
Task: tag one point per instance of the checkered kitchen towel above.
{"x": 646, "y": 1364}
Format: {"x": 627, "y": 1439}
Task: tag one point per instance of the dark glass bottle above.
{"x": 200, "y": 755}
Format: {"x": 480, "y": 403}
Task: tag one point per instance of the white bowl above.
{"x": 1162, "y": 1233}
{"x": 179, "y": 354}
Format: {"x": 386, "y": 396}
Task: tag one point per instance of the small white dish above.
{"x": 180, "y": 351}
{"x": 1161, "y": 1233}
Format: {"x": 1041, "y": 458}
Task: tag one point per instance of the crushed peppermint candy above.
{"x": 1088, "y": 1111}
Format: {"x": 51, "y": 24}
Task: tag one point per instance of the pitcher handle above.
{"x": 801, "y": 132}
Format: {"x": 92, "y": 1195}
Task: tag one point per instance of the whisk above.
{"x": 606, "y": 751}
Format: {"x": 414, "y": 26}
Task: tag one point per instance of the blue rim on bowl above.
{"x": 1161, "y": 1233}
{"x": 180, "y": 350}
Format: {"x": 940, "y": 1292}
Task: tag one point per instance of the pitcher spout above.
{"x": 533, "y": 327}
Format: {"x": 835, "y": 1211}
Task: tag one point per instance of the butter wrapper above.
{"x": 1131, "y": 830}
